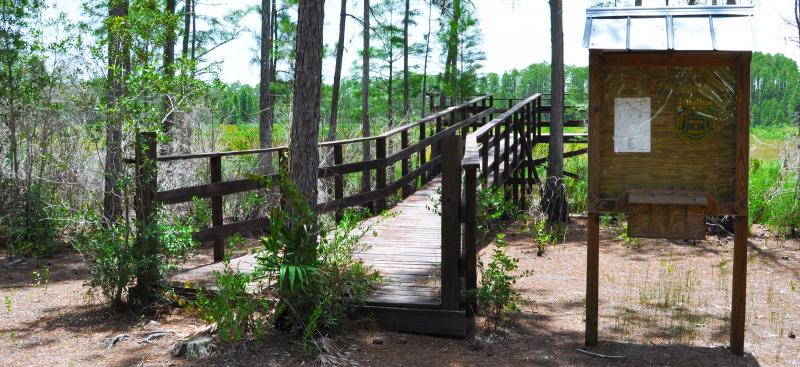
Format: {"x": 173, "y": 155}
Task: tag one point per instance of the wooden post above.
{"x": 380, "y": 175}
{"x": 423, "y": 155}
{"x": 739, "y": 298}
{"x": 592, "y": 276}
{"x": 338, "y": 181}
{"x": 437, "y": 147}
{"x": 496, "y": 163}
{"x": 215, "y": 170}
{"x": 471, "y": 237}
{"x": 451, "y": 224}
{"x": 406, "y": 190}
{"x": 506, "y": 146}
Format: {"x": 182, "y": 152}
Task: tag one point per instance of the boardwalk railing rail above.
{"x": 501, "y": 153}
{"x": 419, "y": 162}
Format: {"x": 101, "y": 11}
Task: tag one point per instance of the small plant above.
{"x": 238, "y": 313}
{"x": 493, "y": 208}
{"x": 9, "y": 301}
{"x": 627, "y": 240}
{"x": 495, "y": 293}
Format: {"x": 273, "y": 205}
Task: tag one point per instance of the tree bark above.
{"x": 187, "y": 27}
{"x": 194, "y": 31}
{"x": 303, "y": 154}
{"x": 264, "y": 110}
{"x": 118, "y": 63}
{"x": 365, "y": 128}
{"x": 337, "y": 73}
{"x": 169, "y": 71}
{"x": 425, "y": 63}
{"x": 554, "y": 202}
{"x": 406, "y": 105}
{"x": 452, "y": 47}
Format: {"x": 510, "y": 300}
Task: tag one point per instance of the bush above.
{"x": 773, "y": 197}
{"x": 310, "y": 267}
{"x": 29, "y": 222}
{"x": 495, "y": 294}
{"x": 238, "y": 313}
{"x": 493, "y": 209}
{"x": 117, "y": 257}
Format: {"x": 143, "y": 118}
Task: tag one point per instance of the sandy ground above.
{"x": 661, "y": 304}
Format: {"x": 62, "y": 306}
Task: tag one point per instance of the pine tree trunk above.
{"x": 406, "y": 91}
{"x": 167, "y": 106}
{"x": 187, "y": 27}
{"x": 554, "y": 202}
{"x": 337, "y": 74}
{"x": 390, "y": 93}
{"x": 365, "y": 128}
{"x": 117, "y": 64}
{"x": 452, "y": 47}
{"x": 425, "y": 63}
{"x": 264, "y": 108}
{"x": 304, "y": 157}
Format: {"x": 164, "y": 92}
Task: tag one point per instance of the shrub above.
{"x": 773, "y": 196}
{"x": 29, "y": 215}
{"x": 495, "y": 294}
{"x": 117, "y": 257}
{"x": 310, "y": 266}
{"x": 493, "y": 208}
{"x": 238, "y": 313}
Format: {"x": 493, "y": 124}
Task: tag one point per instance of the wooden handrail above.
{"x": 473, "y": 140}
{"x": 283, "y": 148}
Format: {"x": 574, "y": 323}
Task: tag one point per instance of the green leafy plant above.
{"x": 311, "y": 266}
{"x": 493, "y": 208}
{"x": 117, "y": 257}
{"x": 9, "y": 301}
{"x": 496, "y": 294}
{"x": 238, "y": 313}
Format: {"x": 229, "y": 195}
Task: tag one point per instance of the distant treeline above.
{"x": 775, "y": 91}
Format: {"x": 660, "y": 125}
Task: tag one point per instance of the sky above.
{"x": 516, "y": 33}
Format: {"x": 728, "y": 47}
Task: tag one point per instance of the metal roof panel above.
{"x": 696, "y": 28}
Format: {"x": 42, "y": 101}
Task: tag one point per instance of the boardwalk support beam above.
{"x": 451, "y": 223}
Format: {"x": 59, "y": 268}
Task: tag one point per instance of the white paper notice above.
{"x": 632, "y": 125}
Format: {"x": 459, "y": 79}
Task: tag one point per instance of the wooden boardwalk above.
{"x": 404, "y": 246}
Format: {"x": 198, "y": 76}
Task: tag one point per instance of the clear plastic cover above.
{"x": 668, "y": 128}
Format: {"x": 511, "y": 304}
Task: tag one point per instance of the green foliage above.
{"x": 312, "y": 266}
{"x": 30, "y": 219}
{"x": 493, "y": 208}
{"x": 773, "y": 197}
{"x": 496, "y": 294}
{"x": 775, "y": 91}
{"x": 238, "y": 313}
{"x": 545, "y": 234}
{"x": 117, "y": 257}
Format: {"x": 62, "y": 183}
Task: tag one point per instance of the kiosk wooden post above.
{"x": 669, "y": 123}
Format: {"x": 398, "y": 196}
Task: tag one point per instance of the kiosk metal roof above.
{"x": 687, "y": 28}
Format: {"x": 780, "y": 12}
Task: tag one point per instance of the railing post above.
{"x": 215, "y": 171}
{"x": 338, "y": 181}
{"x": 146, "y": 187}
{"x": 423, "y": 155}
{"x": 470, "y": 238}
{"x": 451, "y": 224}
{"x": 506, "y": 145}
{"x": 406, "y": 191}
{"x": 438, "y": 146}
{"x": 496, "y": 163}
{"x": 380, "y": 174}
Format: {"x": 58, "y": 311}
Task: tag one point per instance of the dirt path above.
{"x": 662, "y": 304}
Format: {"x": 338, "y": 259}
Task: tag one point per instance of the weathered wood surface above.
{"x": 404, "y": 246}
